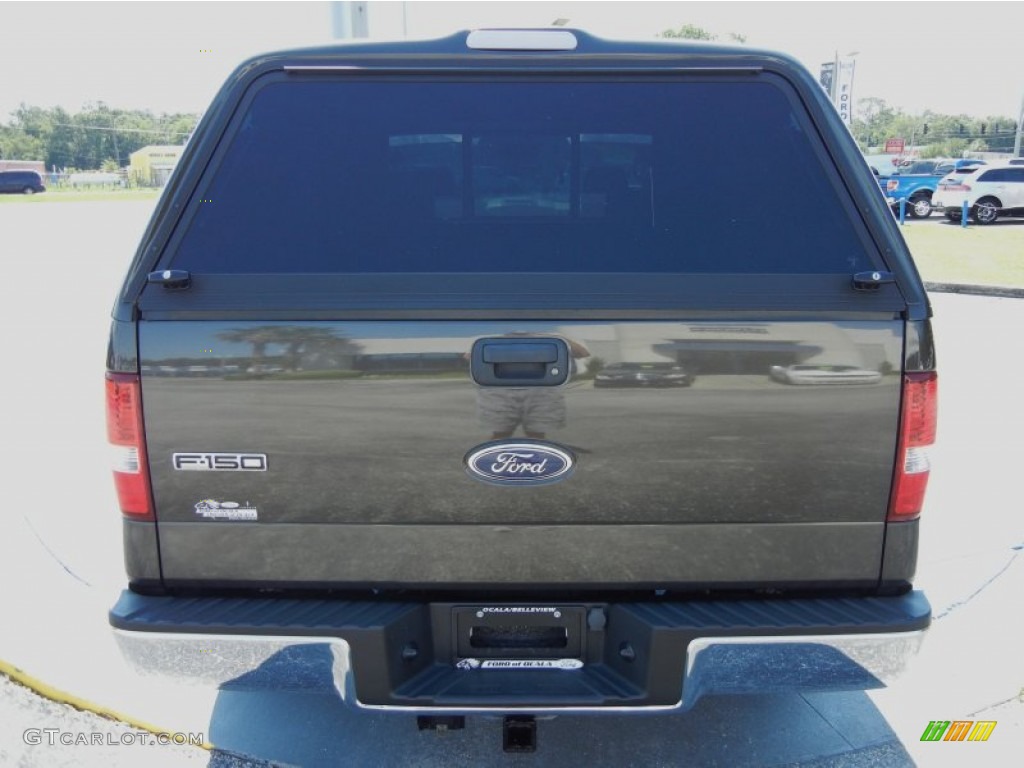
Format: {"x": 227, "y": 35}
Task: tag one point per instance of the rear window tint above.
{"x": 918, "y": 168}
{"x": 1002, "y": 174}
{"x": 996, "y": 175}
{"x": 390, "y": 176}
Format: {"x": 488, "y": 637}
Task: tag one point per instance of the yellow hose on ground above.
{"x": 47, "y": 691}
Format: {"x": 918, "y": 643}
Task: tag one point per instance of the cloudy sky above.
{"x": 951, "y": 57}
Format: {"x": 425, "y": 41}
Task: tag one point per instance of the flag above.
{"x": 825, "y": 78}
{"x": 843, "y": 97}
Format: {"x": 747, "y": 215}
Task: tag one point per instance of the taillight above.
{"x": 127, "y": 445}
{"x": 917, "y": 432}
{"x": 956, "y": 188}
{"x": 891, "y": 185}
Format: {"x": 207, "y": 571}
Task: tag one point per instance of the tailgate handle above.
{"x": 497, "y": 352}
{"x": 519, "y": 362}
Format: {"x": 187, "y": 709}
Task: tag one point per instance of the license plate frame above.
{"x": 526, "y": 632}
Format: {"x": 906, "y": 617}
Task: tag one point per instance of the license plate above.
{"x": 519, "y": 636}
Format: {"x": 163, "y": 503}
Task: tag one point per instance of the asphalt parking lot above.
{"x": 60, "y": 561}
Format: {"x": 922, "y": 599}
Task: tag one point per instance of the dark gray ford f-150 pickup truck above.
{"x": 352, "y": 398}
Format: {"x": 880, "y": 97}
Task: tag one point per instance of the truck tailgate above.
{"x": 332, "y": 453}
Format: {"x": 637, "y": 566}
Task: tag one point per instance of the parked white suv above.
{"x": 990, "y": 191}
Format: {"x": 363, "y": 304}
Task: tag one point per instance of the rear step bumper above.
{"x": 625, "y": 656}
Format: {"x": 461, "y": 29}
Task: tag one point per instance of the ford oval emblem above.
{"x": 519, "y": 463}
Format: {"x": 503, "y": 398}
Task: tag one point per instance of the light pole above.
{"x": 348, "y": 20}
{"x": 852, "y": 55}
{"x": 1020, "y": 129}
{"x": 833, "y": 90}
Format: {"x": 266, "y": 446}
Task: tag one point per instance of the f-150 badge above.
{"x": 520, "y": 463}
{"x": 220, "y": 462}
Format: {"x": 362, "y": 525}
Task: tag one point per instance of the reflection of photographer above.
{"x": 537, "y": 410}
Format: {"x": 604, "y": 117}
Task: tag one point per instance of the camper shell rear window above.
{"x": 531, "y": 175}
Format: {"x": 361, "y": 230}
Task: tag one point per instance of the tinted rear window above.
{"x": 1003, "y": 174}
{"x": 324, "y": 176}
{"x": 21, "y": 176}
{"x": 920, "y": 167}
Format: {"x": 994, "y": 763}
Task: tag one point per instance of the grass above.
{"x": 67, "y": 195}
{"x": 987, "y": 255}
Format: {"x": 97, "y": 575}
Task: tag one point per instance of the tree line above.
{"x": 98, "y": 137}
{"x": 875, "y": 121}
{"x": 938, "y": 135}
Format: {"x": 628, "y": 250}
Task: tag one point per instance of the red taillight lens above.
{"x": 892, "y": 185}
{"x": 127, "y": 445}
{"x": 918, "y": 418}
{"x": 956, "y": 188}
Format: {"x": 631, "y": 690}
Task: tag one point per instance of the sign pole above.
{"x": 1020, "y": 128}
